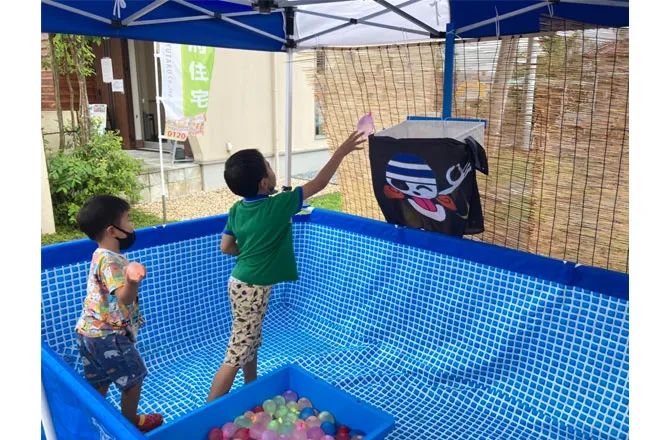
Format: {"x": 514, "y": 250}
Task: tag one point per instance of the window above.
{"x": 319, "y": 132}
{"x": 320, "y": 62}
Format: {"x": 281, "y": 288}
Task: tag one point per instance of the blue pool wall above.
{"x": 185, "y": 256}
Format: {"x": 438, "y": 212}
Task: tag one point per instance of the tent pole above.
{"x": 504, "y": 16}
{"x": 288, "y": 156}
{"x": 408, "y": 17}
{"x": 76, "y": 11}
{"x": 275, "y": 113}
{"x": 160, "y": 133}
{"x": 448, "y": 91}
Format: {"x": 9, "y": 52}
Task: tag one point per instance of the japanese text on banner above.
{"x": 186, "y": 76}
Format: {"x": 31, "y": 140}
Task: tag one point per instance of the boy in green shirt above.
{"x": 259, "y": 234}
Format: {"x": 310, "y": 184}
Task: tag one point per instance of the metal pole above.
{"x": 448, "y": 89}
{"x": 408, "y": 17}
{"x": 482, "y": 23}
{"x": 275, "y": 113}
{"x": 47, "y": 422}
{"x": 160, "y": 134}
{"x": 288, "y": 156}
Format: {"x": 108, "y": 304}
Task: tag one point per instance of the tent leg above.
{"x": 288, "y": 156}
{"x": 160, "y": 134}
{"x": 47, "y": 422}
{"x": 448, "y": 88}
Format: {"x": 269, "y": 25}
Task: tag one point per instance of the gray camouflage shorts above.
{"x": 249, "y": 304}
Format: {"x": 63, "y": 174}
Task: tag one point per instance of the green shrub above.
{"x": 76, "y": 175}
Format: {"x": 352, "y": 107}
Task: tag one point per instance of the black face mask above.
{"x": 126, "y": 243}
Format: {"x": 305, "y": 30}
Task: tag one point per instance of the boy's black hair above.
{"x": 100, "y": 212}
{"x": 244, "y": 171}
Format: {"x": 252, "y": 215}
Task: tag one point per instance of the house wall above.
{"x": 50, "y": 128}
{"x": 48, "y": 226}
{"x": 243, "y": 115}
{"x": 49, "y": 92}
{"x": 241, "y": 111}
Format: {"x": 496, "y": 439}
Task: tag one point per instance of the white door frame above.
{"x": 135, "y": 88}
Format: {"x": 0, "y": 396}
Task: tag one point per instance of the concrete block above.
{"x": 154, "y": 179}
{"x": 145, "y": 194}
{"x": 156, "y": 193}
{"x": 192, "y": 173}
{"x": 143, "y": 179}
{"x": 175, "y": 176}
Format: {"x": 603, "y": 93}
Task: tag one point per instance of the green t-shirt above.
{"x": 262, "y": 228}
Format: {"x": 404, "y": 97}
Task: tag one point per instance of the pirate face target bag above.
{"x": 426, "y": 181}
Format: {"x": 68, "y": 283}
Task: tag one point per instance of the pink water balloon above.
{"x": 315, "y": 433}
{"x": 270, "y": 435}
{"x": 229, "y": 429}
{"x": 256, "y": 431}
{"x": 366, "y": 125}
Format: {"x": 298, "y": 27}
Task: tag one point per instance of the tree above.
{"x": 562, "y": 54}
{"x": 73, "y": 54}
{"x": 51, "y": 64}
{"x": 65, "y": 65}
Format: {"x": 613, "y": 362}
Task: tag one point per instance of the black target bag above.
{"x": 428, "y": 183}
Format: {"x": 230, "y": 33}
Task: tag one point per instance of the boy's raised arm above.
{"x": 328, "y": 171}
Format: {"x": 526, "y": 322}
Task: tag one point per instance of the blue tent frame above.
{"x": 234, "y": 24}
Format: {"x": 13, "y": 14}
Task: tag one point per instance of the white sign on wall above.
{"x": 107, "y": 72}
{"x": 117, "y": 85}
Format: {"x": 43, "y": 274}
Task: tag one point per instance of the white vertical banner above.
{"x": 172, "y": 94}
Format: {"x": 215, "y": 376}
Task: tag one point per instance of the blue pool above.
{"x": 454, "y": 338}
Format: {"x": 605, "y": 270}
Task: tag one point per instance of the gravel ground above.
{"x": 205, "y": 204}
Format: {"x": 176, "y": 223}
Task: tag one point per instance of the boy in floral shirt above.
{"x": 107, "y": 328}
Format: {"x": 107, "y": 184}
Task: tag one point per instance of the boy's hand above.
{"x": 351, "y": 144}
{"x": 134, "y": 273}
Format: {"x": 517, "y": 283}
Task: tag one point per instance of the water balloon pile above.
{"x": 285, "y": 417}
